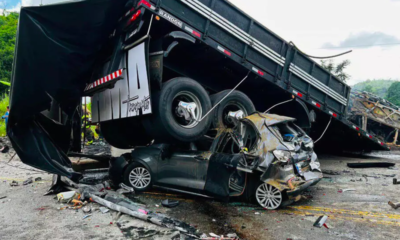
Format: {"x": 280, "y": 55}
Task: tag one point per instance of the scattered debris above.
{"x": 320, "y": 221}
{"x": 346, "y": 190}
{"x": 66, "y": 197}
{"x": 125, "y": 189}
{"x": 87, "y": 209}
{"x": 28, "y": 181}
{"x": 394, "y": 205}
{"x": 257, "y": 213}
{"x": 170, "y": 203}
{"x": 104, "y": 210}
{"x": 38, "y": 179}
{"x": 5, "y": 149}
{"x": 395, "y": 182}
{"x": 14, "y": 184}
{"x": 86, "y": 216}
{"x": 370, "y": 164}
{"x": 2, "y": 197}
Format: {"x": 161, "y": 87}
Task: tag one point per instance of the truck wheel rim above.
{"x": 268, "y": 196}
{"x": 140, "y": 177}
{"x": 189, "y": 98}
{"x": 232, "y": 107}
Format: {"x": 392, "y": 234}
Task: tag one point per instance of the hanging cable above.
{"x": 338, "y": 55}
{"x": 216, "y": 105}
{"x": 278, "y": 105}
{"x": 324, "y": 131}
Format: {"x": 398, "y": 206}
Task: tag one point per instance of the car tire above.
{"x": 125, "y": 133}
{"x": 234, "y": 102}
{"x": 165, "y": 124}
{"x": 138, "y": 176}
{"x": 268, "y": 196}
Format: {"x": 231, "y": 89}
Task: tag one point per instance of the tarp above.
{"x": 55, "y": 53}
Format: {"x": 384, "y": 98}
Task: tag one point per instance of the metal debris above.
{"x": 28, "y": 181}
{"x": 394, "y": 205}
{"x": 370, "y": 164}
{"x": 320, "y": 221}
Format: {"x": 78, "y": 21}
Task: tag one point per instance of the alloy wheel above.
{"x": 268, "y": 196}
{"x": 140, "y": 178}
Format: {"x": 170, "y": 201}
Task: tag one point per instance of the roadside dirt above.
{"x": 361, "y": 214}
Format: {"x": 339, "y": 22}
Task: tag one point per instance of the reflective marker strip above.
{"x": 297, "y": 93}
{"x": 316, "y": 104}
{"x": 192, "y": 31}
{"x": 356, "y": 128}
{"x": 258, "y": 71}
{"x": 112, "y": 76}
{"x": 333, "y": 114}
{"x": 370, "y": 136}
{"x": 224, "y": 51}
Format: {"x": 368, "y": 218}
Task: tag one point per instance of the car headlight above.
{"x": 282, "y": 156}
{"x": 309, "y": 145}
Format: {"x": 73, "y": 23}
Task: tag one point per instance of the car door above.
{"x": 183, "y": 169}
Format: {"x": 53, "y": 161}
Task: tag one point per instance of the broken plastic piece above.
{"x": 86, "y": 216}
{"x": 347, "y": 190}
{"x": 87, "y": 209}
{"x": 4, "y": 149}
{"x": 320, "y": 221}
{"x": 170, "y": 203}
{"x": 66, "y": 197}
{"x": 125, "y": 189}
{"x": 104, "y": 210}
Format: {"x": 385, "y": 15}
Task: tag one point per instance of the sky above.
{"x": 327, "y": 27}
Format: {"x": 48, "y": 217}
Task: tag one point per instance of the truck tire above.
{"x": 125, "y": 133}
{"x": 165, "y": 124}
{"x": 234, "y": 102}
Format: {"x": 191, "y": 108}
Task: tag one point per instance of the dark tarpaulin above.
{"x": 55, "y": 53}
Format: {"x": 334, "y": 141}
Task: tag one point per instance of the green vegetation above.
{"x": 377, "y": 87}
{"x": 393, "y": 94}
{"x": 3, "y": 108}
{"x": 8, "y": 30}
{"x": 337, "y": 69}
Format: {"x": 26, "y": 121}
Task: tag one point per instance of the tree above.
{"x": 393, "y": 94}
{"x": 337, "y": 70}
{"x": 8, "y": 30}
{"x": 369, "y": 89}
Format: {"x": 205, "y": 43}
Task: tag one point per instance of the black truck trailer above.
{"x": 154, "y": 70}
{"x": 215, "y": 44}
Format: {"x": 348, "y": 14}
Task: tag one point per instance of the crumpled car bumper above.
{"x": 317, "y": 176}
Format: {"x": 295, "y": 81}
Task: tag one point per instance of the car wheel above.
{"x": 234, "y": 102}
{"x": 138, "y": 176}
{"x": 268, "y": 196}
{"x": 168, "y": 122}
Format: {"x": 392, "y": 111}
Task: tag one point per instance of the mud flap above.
{"x": 220, "y": 168}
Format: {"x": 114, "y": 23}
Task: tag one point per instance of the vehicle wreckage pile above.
{"x": 375, "y": 115}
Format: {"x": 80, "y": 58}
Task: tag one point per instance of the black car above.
{"x": 265, "y": 157}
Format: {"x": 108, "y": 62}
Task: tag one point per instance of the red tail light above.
{"x": 144, "y": 2}
{"x": 135, "y": 16}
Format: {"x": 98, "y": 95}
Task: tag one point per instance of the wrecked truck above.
{"x": 159, "y": 70}
{"x": 266, "y": 158}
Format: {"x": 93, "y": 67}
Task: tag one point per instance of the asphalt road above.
{"x": 361, "y": 214}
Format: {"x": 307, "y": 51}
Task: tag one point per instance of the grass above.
{"x": 3, "y": 109}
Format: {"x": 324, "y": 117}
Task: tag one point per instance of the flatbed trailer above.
{"x": 225, "y": 44}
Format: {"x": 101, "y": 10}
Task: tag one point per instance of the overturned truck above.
{"x": 162, "y": 71}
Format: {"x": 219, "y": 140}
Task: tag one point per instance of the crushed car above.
{"x": 265, "y": 158}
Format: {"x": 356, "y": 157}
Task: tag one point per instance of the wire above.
{"x": 216, "y": 105}
{"x": 333, "y": 56}
{"x": 278, "y": 105}
{"x": 324, "y": 131}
